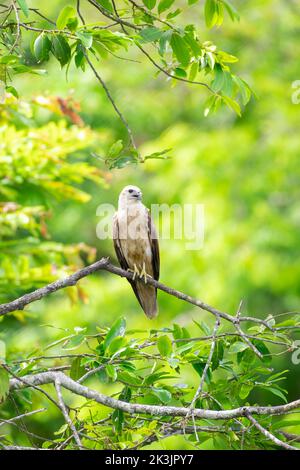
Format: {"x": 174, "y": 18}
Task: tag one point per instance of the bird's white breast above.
{"x": 134, "y": 236}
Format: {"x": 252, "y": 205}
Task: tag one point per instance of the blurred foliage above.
{"x": 244, "y": 170}
{"x": 36, "y": 168}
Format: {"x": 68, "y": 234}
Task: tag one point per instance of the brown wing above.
{"x": 117, "y": 244}
{"x": 121, "y": 258}
{"x": 153, "y": 239}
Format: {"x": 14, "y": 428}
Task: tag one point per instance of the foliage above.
{"x": 176, "y": 49}
{"x": 149, "y": 368}
{"x": 36, "y": 167}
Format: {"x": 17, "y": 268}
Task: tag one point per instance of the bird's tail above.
{"x": 146, "y": 296}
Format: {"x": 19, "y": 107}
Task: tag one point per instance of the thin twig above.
{"x": 13, "y": 4}
{"x": 79, "y": 12}
{"x": 207, "y": 365}
{"x": 65, "y": 413}
{"x": 267, "y": 434}
{"x": 24, "y": 415}
{"x": 109, "y": 96}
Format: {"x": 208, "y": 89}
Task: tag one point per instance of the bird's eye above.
{"x": 130, "y": 190}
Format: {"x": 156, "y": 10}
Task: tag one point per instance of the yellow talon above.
{"x": 143, "y": 273}
{"x": 135, "y": 271}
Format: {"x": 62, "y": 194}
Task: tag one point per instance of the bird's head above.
{"x": 130, "y": 194}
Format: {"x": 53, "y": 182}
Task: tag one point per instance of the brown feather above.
{"x": 145, "y": 294}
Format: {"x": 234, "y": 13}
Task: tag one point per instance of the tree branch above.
{"x": 268, "y": 435}
{"x": 104, "y": 265}
{"x": 43, "y": 378}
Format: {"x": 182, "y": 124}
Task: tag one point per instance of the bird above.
{"x": 136, "y": 246}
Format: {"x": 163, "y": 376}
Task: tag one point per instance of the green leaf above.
{"x": 111, "y": 372}
{"x": 150, "y": 4}
{"x": 42, "y": 47}
{"x": 4, "y": 384}
{"x": 199, "y": 368}
{"x": 128, "y": 378}
{"x": 246, "y": 93}
{"x": 106, "y": 4}
{"x": 85, "y": 38}
{"x": 77, "y": 370}
{"x": 24, "y": 7}
{"x": 66, "y": 13}
{"x": 164, "y": 345}
{"x": 164, "y": 395}
{"x": 164, "y": 5}
{"x": 180, "y": 72}
{"x": 231, "y": 10}
{"x": 117, "y": 345}
{"x": 232, "y": 104}
{"x": 260, "y": 345}
{"x": 180, "y": 49}
{"x": 177, "y": 331}
{"x": 151, "y": 34}
{"x": 237, "y": 347}
{"x": 275, "y": 391}
{"x": 286, "y": 423}
{"x": 173, "y": 14}
{"x": 245, "y": 390}
{"x": 61, "y": 49}
{"x": 2, "y": 351}
{"x": 118, "y": 329}
{"x": 193, "y": 71}
{"x": 115, "y": 149}
{"x": 211, "y": 13}
{"x": 74, "y": 342}
{"x": 219, "y": 79}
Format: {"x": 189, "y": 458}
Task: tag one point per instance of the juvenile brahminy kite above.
{"x": 136, "y": 246}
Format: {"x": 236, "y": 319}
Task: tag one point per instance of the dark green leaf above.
{"x": 42, "y": 47}
{"x": 77, "y": 370}
{"x": 180, "y": 49}
{"x": 4, "y": 384}
{"x": 150, "y": 4}
{"x": 164, "y": 5}
{"x": 107, "y": 5}
{"x": 61, "y": 49}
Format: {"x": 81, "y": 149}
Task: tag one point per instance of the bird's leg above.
{"x": 143, "y": 273}
{"x": 135, "y": 271}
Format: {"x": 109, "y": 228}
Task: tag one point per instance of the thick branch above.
{"x": 154, "y": 410}
{"x": 104, "y": 264}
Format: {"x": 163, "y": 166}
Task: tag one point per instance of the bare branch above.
{"x": 65, "y": 413}
{"x": 24, "y": 415}
{"x": 154, "y": 410}
{"x": 109, "y": 96}
{"x": 207, "y": 365}
{"x": 267, "y": 434}
{"x": 104, "y": 264}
